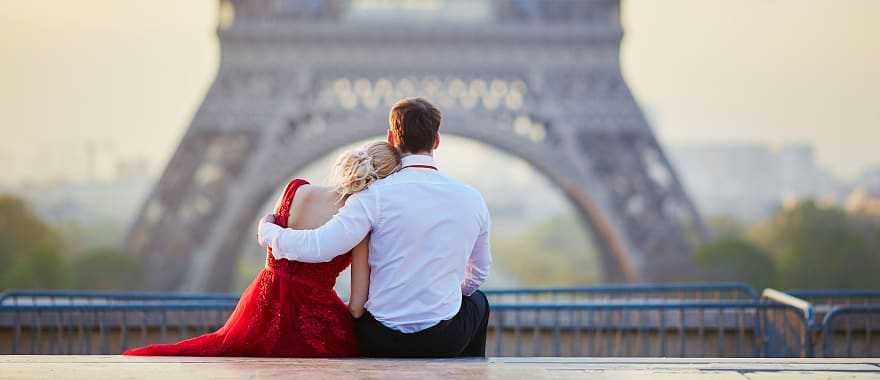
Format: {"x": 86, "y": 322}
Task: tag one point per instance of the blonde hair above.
{"x": 356, "y": 169}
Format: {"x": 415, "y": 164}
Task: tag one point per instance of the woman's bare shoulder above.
{"x": 310, "y": 205}
{"x": 310, "y": 190}
{"x": 303, "y": 195}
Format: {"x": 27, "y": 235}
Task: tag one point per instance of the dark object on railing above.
{"x": 848, "y": 331}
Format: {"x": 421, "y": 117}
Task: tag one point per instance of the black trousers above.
{"x": 463, "y": 335}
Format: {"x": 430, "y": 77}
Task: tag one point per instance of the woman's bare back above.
{"x": 313, "y": 206}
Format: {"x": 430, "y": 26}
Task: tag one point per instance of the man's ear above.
{"x": 390, "y": 138}
{"x": 436, "y": 141}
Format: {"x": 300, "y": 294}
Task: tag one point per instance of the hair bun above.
{"x": 357, "y": 169}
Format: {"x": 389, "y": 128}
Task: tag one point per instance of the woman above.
{"x": 291, "y": 309}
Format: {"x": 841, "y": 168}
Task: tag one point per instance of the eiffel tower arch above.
{"x": 538, "y": 79}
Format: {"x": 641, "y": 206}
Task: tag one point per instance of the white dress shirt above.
{"x": 429, "y": 243}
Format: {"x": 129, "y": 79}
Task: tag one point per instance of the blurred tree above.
{"x": 20, "y": 229}
{"x": 106, "y": 269}
{"x": 78, "y": 237}
{"x": 732, "y": 258}
{"x": 818, "y": 247}
{"x": 554, "y": 253}
{"x": 38, "y": 268}
{"x": 725, "y": 226}
{"x": 29, "y": 249}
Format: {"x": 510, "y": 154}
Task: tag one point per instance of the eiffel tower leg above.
{"x": 645, "y": 202}
{"x": 238, "y": 117}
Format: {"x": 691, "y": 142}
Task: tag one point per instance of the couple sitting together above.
{"x": 418, "y": 244}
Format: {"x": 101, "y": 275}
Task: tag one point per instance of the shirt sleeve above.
{"x": 336, "y": 237}
{"x": 480, "y": 260}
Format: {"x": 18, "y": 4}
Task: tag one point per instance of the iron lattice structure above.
{"x": 538, "y": 79}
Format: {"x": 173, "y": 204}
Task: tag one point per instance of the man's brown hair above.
{"x": 414, "y": 122}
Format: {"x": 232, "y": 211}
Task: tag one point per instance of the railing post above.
{"x": 499, "y": 333}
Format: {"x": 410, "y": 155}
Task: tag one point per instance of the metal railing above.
{"x": 669, "y": 329}
{"x": 807, "y": 312}
{"x": 104, "y": 328}
{"x": 677, "y": 320}
{"x": 848, "y": 331}
{"x": 94, "y": 297}
{"x": 833, "y": 297}
{"x": 685, "y": 329}
{"x": 632, "y": 292}
{"x": 626, "y": 292}
{"x": 777, "y": 296}
{"x": 841, "y": 326}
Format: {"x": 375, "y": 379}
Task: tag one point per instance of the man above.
{"x": 429, "y": 249}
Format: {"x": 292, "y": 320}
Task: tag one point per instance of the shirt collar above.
{"x": 417, "y": 159}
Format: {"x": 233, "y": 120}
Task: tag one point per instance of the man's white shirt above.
{"x": 429, "y": 243}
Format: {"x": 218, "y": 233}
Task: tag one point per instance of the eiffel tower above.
{"x": 538, "y": 79}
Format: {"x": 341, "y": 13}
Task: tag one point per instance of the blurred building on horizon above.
{"x": 748, "y": 181}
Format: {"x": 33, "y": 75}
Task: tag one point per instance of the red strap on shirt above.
{"x": 420, "y": 166}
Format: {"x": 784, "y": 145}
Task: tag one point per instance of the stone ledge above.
{"x": 190, "y": 368}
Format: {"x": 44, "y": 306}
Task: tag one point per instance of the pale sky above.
{"x": 127, "y": 76}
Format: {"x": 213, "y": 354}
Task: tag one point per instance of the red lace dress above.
{"x": 289, "y": 310}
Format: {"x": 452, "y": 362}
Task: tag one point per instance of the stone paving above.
{"x": 169, "y": 368}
